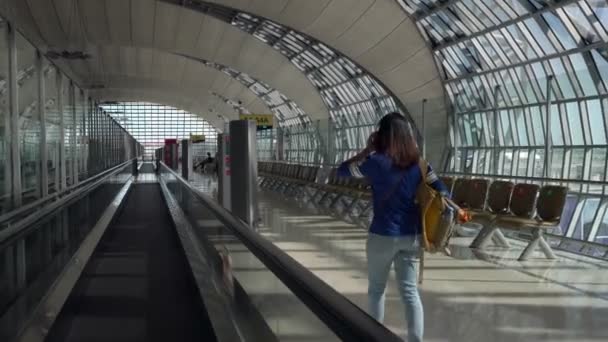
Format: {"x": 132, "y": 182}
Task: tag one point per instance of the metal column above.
{"x": 225, "y": 171}
{"x": 455, "y": 132}
{"x": 495, "y": 128}
{"x": 186, "y": 158}
{"x": 62, "y": 162}
{"x": 548, "y": 137}
{"x": 74, "y": 135}
{"x": 44, "y": 172}
{"x": 14, "y": 136}
{"x": 84, "y": 150}
{"x": 244, "y": 183}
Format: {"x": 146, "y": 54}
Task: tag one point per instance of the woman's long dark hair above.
{"x": 396, "y": 139}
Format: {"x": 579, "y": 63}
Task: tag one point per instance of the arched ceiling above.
{"x": 144, "y": 68}
{"x": 375, "y": 34}
{"x": 87, "y": 25}
{"x": 168, "y": 97}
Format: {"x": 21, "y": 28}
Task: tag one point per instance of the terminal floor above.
{"x": 471, "y": 296}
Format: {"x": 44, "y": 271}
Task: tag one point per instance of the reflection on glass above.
{"x": 5, "y": 203}
{"x": 29, "y": 125}
{"x": 150, "y": 124}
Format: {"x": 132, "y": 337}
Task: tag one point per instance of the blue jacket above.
{"x": 393, "y": 193}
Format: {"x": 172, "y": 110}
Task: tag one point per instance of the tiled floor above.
{"x": 471, "y": 296}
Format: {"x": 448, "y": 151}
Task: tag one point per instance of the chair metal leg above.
{"x": 287, "y": 189}
{"x": 309, "y": 193}
{"x": 525, "y": 255}
{"x": 546, "y": 248}
{"x": 537, "y": 240}
{"x": 499, "y": 238}
{"x": 276, "y": 185}
{"x": 335, "y": 201}
{"x": 365, "y": 210}
{"x": 327, "y": 193}
{"x": 315, "y": 194}
{"x": 484, "y": 235}
{"x": 299, "y": 191}
{"x": 348, "y": 210}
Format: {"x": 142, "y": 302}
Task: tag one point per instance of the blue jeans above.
{"x": 404, "y": 252}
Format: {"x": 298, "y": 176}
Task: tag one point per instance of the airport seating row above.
{"x": 493, "y": 204}
{"x": 504, "y": 204}
{"x": 309, "y": 175}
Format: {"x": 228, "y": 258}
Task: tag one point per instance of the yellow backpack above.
{"x": 437, "y": 213}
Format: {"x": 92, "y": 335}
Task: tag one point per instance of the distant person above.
{"x": 390, "y": 165}
{"x": 208, "y": 160}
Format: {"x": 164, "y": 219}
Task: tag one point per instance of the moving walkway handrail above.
{"x": 11, "y": 231}
{"x": 40, "y": 202}
{"x": 344, "y": 318}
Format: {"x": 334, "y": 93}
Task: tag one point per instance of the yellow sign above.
{"x": 263, "y": 121}
{"x": 195, "y": 138}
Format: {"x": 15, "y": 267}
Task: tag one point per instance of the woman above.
{"x": 390, "y": 165}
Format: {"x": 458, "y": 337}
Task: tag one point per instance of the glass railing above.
{"x": 35, "y": 249}
{"x": 268, "y": 288}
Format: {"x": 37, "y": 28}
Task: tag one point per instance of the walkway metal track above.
{"x": 137, "y": 285}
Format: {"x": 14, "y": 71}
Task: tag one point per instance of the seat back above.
{"x": 346, "y": 181}
{"x": 356, "y": 183}
{"x": 551, "y": 202}
{"x": 303, "y": 174}
{"x": 312, "y": 176}
{"x": 523, "y": 200}
{"x": 299, "y": 171}
{"x": 341, "y": 181}
{"x": 477, "y": 194}
{"x": 333, "y": 176}
{"x": 294, "y": 171}
{"x": 499, "y": 196}
{"x": 459, "y": 192}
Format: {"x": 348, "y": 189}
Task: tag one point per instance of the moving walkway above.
{"x": 120, "y": 259}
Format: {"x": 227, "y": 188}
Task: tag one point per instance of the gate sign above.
{"x": 196, "y": 138}
{"x": 263, "y": 121}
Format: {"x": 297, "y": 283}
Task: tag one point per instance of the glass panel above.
{"x": 576, "y": 163}
{"x": 29, "y": 123}
{"x": 574, "y": 122}
{"x": 67, "y": 98}
{"x": 4, "y": 121}
{"x": 48, "y": 246}
{"x": 52, "y": 125}
{"x": 518, "y": 45}
{"x": 556, "y": 126}
{"x": 596, "y": 121}
{"x": 583, "y": 225}
{"x": 150, "y": 124}
{"x": 602, "y": 234}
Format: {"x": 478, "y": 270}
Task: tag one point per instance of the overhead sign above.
{"x": 196, "y": 138}
{"x": 263, "y": 121}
